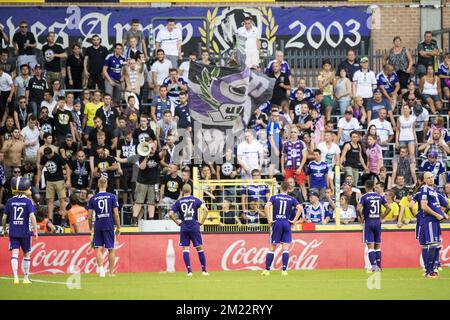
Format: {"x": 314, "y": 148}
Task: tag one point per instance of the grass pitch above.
{"x": 318, "y": 284}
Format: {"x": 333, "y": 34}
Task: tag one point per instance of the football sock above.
{"x": 269, "y": 259}
{"x": 187, "y": 261}
{"x": 26, "y": 266}
{"x": 285, "y": 259}
{"x": 15, "y": 266}
{"x": 437, "y": 262}
{"x": 372, "y": 257}
{"x": 378, "y": 257}
{"x": 202, "y": 258}
{"x": 424, "y": 256}
{"x": 430, "y": 259}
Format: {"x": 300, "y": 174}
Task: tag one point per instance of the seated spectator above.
{"x": 444, "y": 75}
{"x": 171, "y": 186}
{"x": 384, "y": 179}
{"x": 253, "y": 216}
{"x": 78, "y": 216}
{"x": 431, "y": 90}
{"x": 228, "y": 215}
{"x": 404, "y": 165}
{"x": 348, "y": 190}
{"x": 422, "y": 117}
{"x": 44, "y": 225}
{"x": 314, "y": 211}
{"x": 258, "y": 120}
{"x": 329, "y": 126}
{"x": 400, "y": 189}
{"x": 395, "y": 209}
{"x": 329, "y": 203}
{"x": 358, "y": 110}
{"x": 405, "y": 215}
{"x": 257, "y": 193}
{"x": 56, "y": 89}
{"x": 389, "y": 84}
{"x": 346, "y": 126}
{"x": 349, "y": 180}
{"x": 412, "y": 89}
{"x": 317, "y": 173}
{"x": 175, "y": 84}
{"x": 435, "y": 167}
{"x": 375, "y": 104}
{"x": 348, "y": 212}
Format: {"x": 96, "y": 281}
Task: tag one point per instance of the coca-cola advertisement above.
{"x": 232, "y": 251}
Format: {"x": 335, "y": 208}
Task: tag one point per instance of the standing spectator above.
{"x": 295, "y": 106}
{"x": 444, "y": 75}
{"x": 185, "y": 66}
{"x": 431, "y": 90}
{"x": 35, "y": 90}
{"x": 46, "y": 124}
{"x": 99, "y": 128}
{"x": 21, "y": 81}
{"x": 352, "y": 158}
{"x": 54, "y": 178}
{"x": 258, "y": 120}
{"x": 171, "y": 186}
{"x": 422, "y": 117}
{"x": 377, "y": 103}
{"x": 350, "y": 64}
{"x": 160, "y": 69}
{"x": 258, "y": 194}
{"x": 175, "y": 84}
{"x": 293, "y": 160}
{"x": 406, "y": 131}
{"x": 57, "y": 91}
{"x": 389, "y": 84}
{"x": 105, "y": 165}
{"x": 168, "y": 153}
{"x": 348, "y": 190}
{"x": 384, "y": 128}
{"x": 143, "y": 132}
{"x": 79, "y": 172}
{"x": 53, "y": 53}
{"x": 404, "y": 165}
{"x": 6, "y": 94}
{"x": 184, "y": 121}
{"x": 108, "y": 115}
{"x": 169, "y": 39}
{"x": 21, "y": 113}
{"x": 160, "y": 104}
{"x": 74, "y": 66}
{"x": 303, "y": 119}
{"x": 49, "y": 103}
{"x": 374, "y": 157}
{"x": 204, "y": 59}
{"x": 14, "y": 151}
{"x": 94, "y": 58}
{"x": 165, "y": 127}
{"x": 48, "y": 142}
{"x": 317, "y": 173}
{"x": 63, "y": 122}
{"x": 281, "y": 86}
{"x": 7, "y": 130}
{"x": 134, "y": 32}
{"x": 112, "y": 71}
{"x": 346, "y": 126}
{"x": 24, "y": 43}
{"x": 284, "y": 66}
{"x": 90, "y": 110}
{"x": 249, "y": 155}
{"x": 401, "y": 59}
{"x": 252, "y": 42}
{"x": 364, "y": 81}
{"x": 133, "y": 75}
{"x": 147, "y": 179}
{"x": 126, "y": 149}
{"x": 8, "y": 65}
{"x": 131, "y": 113}
{"x": 330, "y": 154}
{"x": 132, "y": 51}
{"x": 274, "y": 134}
{"x": 68, "y": 149}
{"x": 326, "y": 82}
{"x": 3, "y": 37}
{"x": 359, "y": 111}
{"x": 428, "y": 51}
{"x": 343, "y": 93}
{"x": 30, "y": 134}
{"x": 77, "y": 216}
{"x": 314, "y": 211}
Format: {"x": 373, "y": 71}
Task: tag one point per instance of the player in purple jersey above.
{"x": 419, "y": 215}
{"x": 282, "y": 205}
{"x": 103, "y": 215}
{"x": 432, "y": 216}
{"x": 187, "y": 208}
{"x": 369, "y": 214}
{"x": 19, "y": 214}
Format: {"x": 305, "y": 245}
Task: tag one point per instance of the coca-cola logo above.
{"x": 54, "y": 261}
{"x": 239, "y": 257}
{"x": 445, "y": 256}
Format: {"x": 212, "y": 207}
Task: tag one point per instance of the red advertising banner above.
{"x": 231, "y": 251}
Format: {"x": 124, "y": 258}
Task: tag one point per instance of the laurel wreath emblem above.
{"x": 205, "y": 81}
{"x": 268, "y": 20}
{"x": 211, "y": 18}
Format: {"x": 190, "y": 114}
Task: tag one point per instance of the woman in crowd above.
{"x": 406, "y": 130}
{"x": 348, "y": 212}
{"x": 74, "y": 65}
{"x": 343, "y": 93}
{"x": 359, "y": 112}
{"x": 401, "y": 59}
{"x": 430, "y": 88}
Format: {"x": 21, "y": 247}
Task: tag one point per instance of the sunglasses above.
{"x": 411, "y": 99}
{"x": 24, "y": 27}
{"x": 16, "y": 172}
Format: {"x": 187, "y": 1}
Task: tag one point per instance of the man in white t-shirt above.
{"x": 330, "y": 153}
{"x": 6, "y": 93}
{"x": 252, "y": 44}
{"x": 346, "y": 125}
{"x": 384, "y": 128}
{"x": 160, "y": 70}
{"x": 48, "y": 102}
{"x": 364, "y": 81}
{"x": 30, "y": 134}
{"x": 169, "y": 39}
{"x": 249, "y": 155}
{"x": 184, "y": 67}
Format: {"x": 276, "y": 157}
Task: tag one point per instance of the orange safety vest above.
{"x": 42, "y": 226}
{"x": 79, "y": 215}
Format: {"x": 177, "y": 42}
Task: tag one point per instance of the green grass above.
{"x": 319, "y": 284}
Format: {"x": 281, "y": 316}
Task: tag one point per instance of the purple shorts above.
{"x": 17, "y": 243}
{"x": 372, "y": 232}
{"x": 431, "y": 230}
{"x": 420, "y": 235}
{"x": 105, "y": 238}
{"x": 281, "y": 232}
{"x": 187, "y": 236}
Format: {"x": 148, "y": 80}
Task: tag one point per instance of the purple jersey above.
{"x": 187, "y": 210}
{"x": 292, "y": 152}
{"x": 317, "y": 174}
{"x": 431, "y": 196}
{"x": 256, "y": 193}
{"x": 103, "y": 204}
{"x": 283, "y": 205}
{"x": 18, "y": 210}
{"x": 371, "y": 203}
{"x": 388, "y": 82}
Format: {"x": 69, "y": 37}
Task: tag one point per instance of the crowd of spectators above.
{"x": 69, "y": 116}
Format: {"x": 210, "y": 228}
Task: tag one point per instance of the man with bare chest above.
{"x": 14, "y": 150}
{"x": 48, "y": 142}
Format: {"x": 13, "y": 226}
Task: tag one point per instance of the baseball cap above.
{"x": 69, "y": 136}
{"x": 77, "y": 101}
{"x": 376, "y": 90}
{"x": 313, "y": 193}
{"x": 417, "y": 109}
{"x": 433, "y": 154}
{"x": 364, "y": 59}
{"x": 38, "y": 66}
